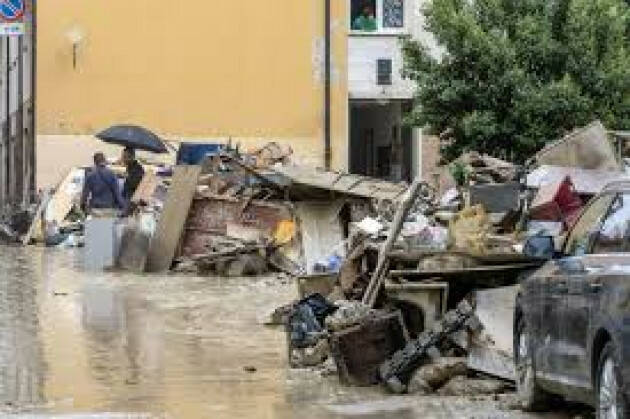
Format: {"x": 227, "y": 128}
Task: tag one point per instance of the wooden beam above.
{"x": 173, "y": 218}
{"x": 378, "y": 276}
{"x": 462, "y": 272}
{"x": 43, "y": 204}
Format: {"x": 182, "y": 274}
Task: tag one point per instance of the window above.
{"x": 586, "y": 228}
{"x": 613, "y": 234}
{"x": 377, "y": 15}
{"x": 383, "y": 72}
{"x": 393, "y": 16}
{"x": 364, "y": 15}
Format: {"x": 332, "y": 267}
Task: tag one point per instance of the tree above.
{"x": 515, "y": 74}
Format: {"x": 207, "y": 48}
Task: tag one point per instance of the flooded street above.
{"x": 81, "y": 344}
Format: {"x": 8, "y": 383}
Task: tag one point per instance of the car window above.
{"x": 613, "y": 234}
{"x": 587, "y": 226}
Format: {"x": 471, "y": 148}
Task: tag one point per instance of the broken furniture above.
{"x": 495, "y": 197}
{"x": 422, "y": 303}
{"x": 359, "y": 350}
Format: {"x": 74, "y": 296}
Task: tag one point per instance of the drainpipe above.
{"x": 327, "y": 149}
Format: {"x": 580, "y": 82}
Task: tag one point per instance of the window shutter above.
{"x": 384, "y": 72}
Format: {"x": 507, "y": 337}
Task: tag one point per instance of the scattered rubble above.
{"x": 431, "y": 377}
{"x": 463, "y": 386}
{"x": 485, "y": 169}
{"x": 396, "y": 371}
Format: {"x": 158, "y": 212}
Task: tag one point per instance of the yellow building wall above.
{"x": 250, "y": 70}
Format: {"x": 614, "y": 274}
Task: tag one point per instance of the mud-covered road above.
{"x": 78, "y": 344}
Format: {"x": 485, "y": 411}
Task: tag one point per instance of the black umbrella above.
{"x": 133, "y": 136}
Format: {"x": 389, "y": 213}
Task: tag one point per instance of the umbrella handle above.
{"x": 171, "y": 146}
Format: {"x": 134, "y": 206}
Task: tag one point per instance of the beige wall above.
{"x": 246, "y": 69}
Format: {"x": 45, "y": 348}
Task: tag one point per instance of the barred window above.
{"x": 393, "y": 14}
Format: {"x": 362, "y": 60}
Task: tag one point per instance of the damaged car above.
{"x": 572, "y": 315}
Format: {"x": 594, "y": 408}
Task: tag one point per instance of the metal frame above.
{"x": 17, "y": 114}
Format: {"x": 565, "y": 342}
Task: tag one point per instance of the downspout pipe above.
{"x": 327, "y": 113}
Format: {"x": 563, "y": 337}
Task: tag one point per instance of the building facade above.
{"x": 207, "y": 70}
{"x": 250, "y": 71}
{"x": 381, "y": 144}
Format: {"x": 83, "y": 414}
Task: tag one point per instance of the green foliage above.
{"x": 515, "y": 74}
{"x": 459, "y": 172}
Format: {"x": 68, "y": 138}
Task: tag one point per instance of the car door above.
{"x": 551, "y": 309}
{"x": 581, "y": 271}
{"x": 585, "y": 286}
{"x": 576, "y": 325}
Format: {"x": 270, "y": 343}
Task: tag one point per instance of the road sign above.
{"x": 12, "y": 10}
{"x": 12, "y": 17}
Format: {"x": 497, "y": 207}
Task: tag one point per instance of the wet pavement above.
{"x": 79, "y": 344}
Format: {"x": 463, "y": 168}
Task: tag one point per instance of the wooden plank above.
{"x": 146, "y": 188}
{"x": 486, "y": 259}
{"x": 378, "y": 276}
{"x": 36, "y": 218}
{"x": 352, "y": 185}
{"x": 173, "y": 218}
{"x": 463, "y": 271}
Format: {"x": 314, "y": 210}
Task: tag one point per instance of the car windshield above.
{"x": 585, "y": 230}
{"x": 613, "y": 234}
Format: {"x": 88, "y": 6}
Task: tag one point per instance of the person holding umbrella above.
{"x": 132, "y": 138}
{"x": 135, "y": 173}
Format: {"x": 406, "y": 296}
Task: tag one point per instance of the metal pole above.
{"x": 9, "y": 178}
{"x": 21, "y": 157}
{"x": 327, "y": 149}
{"x": 33, "y": 119}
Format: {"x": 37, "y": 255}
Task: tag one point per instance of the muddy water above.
{"x": 78, "y": 344}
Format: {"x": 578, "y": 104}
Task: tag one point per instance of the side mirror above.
{"x": 540, "y": 247}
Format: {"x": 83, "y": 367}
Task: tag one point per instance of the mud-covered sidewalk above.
{"x": 120, "y": 345}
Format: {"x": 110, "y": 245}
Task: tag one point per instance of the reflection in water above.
{"x": 124, "y": 340}
{"x": 21, "y": 361}
{"x": 74, "y": 342}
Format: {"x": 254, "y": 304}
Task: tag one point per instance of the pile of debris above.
{"x": 288, "y": 218}
{"x": 422, "y": 297}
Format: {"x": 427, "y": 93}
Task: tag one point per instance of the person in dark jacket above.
{"x": 101, "y": 190}
{"x": 135, "y": 173}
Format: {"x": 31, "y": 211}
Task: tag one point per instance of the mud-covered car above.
{"x": 572, "y": 317}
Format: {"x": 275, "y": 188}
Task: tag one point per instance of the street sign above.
{"x": 12, "y": 17}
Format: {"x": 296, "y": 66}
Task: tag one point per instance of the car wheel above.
{"x": 611, "y": 403}
{"x": 532, "y": 397}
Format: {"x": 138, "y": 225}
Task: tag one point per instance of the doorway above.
{"x": 380, "y": 144}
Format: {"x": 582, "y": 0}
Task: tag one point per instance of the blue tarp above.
{"x": 194, "y": 153}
